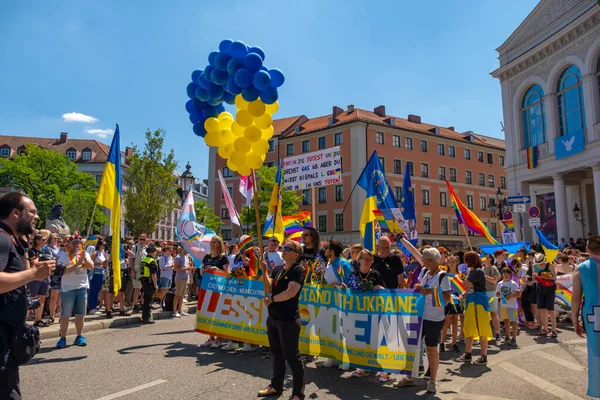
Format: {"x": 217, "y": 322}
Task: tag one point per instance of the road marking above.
{"x": 132, "y": 390}
{"x": 561, "y": 361}
{"x": 539, "y": 382}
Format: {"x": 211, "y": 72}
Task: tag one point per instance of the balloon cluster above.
{"x": 236, "y": 74}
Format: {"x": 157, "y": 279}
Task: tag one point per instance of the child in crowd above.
{"x": 508, "y": 291}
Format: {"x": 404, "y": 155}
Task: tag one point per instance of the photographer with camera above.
{"x": 19, "y": 342}
{"x": 39, "y": 289}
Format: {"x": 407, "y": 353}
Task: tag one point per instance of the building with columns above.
{"x": 550, "y": 78}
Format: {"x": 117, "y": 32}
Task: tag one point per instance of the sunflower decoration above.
{"x": 462, "y": 276}
{"x": 317, "y": 270}
{"x": 237, "y": 270}
{"x": 356, "y": 283}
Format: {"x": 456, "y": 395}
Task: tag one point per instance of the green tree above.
{"x": 206, "y": 216}
{"x": 266, "y": 181}
{"x": 49, "y": 178}
{"x": 151, "y": 185}
{"x": 78, "y": 207}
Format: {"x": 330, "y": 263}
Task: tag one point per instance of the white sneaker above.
{"x": 216, "y": 345}
{"x": 231, "y": 346}
{"x": 176, "y": 315}
{"x": 92, "y": 312}
{"x": 183, "y": 314}
{"x": 247, "y": 348}
{"x": 208, "y": 343}
{"x": 330, "y": 363}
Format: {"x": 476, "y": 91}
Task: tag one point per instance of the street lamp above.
{"x": 578, "y": 217}
{"x": 186, "y": 180}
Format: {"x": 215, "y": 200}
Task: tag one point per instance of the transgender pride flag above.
{"x": 194, "y": 237}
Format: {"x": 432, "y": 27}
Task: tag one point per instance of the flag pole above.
{"x": 257, "y": 215}
{"x": 467, "y": 236}
{"x": 89, "y": 230}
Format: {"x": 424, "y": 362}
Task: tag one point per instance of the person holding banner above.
{"x": 283, "y": 322}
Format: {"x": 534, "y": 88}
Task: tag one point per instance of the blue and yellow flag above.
{"x": 550, "y": 249}
{"x": 379, "y": 196}
{"x": 109, "y": 196}
{"x": 274, "y": 222}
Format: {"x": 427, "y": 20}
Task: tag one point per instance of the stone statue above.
{"x": 56, "y": 223}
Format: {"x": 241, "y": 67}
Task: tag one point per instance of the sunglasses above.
{"x": 288, "y": 248}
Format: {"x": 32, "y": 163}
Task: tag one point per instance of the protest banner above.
{"x": 376, "y": 330}
{"x": 309, "y": 170}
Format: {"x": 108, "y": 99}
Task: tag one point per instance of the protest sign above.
{"x": 308, "y": 170}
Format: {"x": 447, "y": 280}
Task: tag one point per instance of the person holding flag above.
{"x": 274, "y": 223}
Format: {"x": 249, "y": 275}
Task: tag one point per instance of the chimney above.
{"x": 350, "y": 108}
{"x": 336, "y": 111}
{"x": 380, "y": 111}
{"x": 128, "y": 151}
{"x": 451, "y": 128}
{"x": 414, "y": 118}
{"x": 63, "y": 137}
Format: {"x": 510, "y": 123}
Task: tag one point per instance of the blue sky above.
{"x": 129, "y": 62}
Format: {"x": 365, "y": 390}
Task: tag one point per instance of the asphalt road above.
{"x": 163, "y": 361}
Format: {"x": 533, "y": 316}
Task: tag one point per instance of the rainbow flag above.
{"x": 564, "y": 296}
{"x": 508, "y": 223}
{"x": 296, "y": 223}
{"x": 246, "y": 245}
{"x": 468, "y": 217}
{"x": 532, "y": 157}
{"x": 296, "y": 237}
{"x": 456, "y": 284}
{"x": 437, "y": 297}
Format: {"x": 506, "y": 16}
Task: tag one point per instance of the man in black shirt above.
{"x": 283, "y": 323}
{"x": 389, "y": 265}
{"x": 18, "y": 217}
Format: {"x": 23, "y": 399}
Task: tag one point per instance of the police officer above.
{"x": 18, "y": 217}
{"x": 148, "y": 268}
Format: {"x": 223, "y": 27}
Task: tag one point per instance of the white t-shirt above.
{"x": 507, "y": 288}
{"x": 522, "y": 274}
{"x": 165, "y": 263}
{"x": 429, "y": 282}
{"x": 74, "y": 280}
{"x": 90, "y": 249}
{"x": 100, "y": 258}
{"x": 273, "y": 259}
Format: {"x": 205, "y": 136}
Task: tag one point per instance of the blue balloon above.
{"x": 189, "y": 106}
{"x": 196, "y": 75}
{"x": 220, "y": 108}
{"x": 277, "y": 77}
{"x": 261, "y": 80}
{"x": 264, "y": 68}
{"x": 269, "y": 95}
{"x": 202, "y": 94}
{"x": 234, "y": 65}
{"x": 202, "y": 82}
{"x": 243, "y": 78}
{"x": 250, "y": 93}
{"x": 253, "y": 62}
{"x": 191, "y": 90}
{"x": 221, "y": 61}
{"x": 225, "y": 46}
{"x": 215, "y": 102}
{"x": 215, "y": 91}
{"x": 238, "y": 49}
{"x": 219, "y": 77}
{"x": 210, "y": 111}
{"x": 199, "y": 129}
{"x": 229, "y": 98}
{"x": 195, "y": 116}
{"x": 257, "y": 50}
{"x": 212, "y": 57}
{"x": 198, "y": 104}
{"x": 207, "y": 72}
{"x": 232, "y": 87}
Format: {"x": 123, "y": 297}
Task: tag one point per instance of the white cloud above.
{"x": 101, "y": 133}
{"x": 78, "y": 117}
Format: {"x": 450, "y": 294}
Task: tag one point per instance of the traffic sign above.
{"x": 533, "y": 212}
{"x": 534, "y": 222}
{"x": 518, "y": 199}
{"x": 519, "y": 208}
{"x": 507, "y": 215}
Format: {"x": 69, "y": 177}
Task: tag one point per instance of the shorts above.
{"x": 180, "y": 287}
{"x": 55, "y": 282}
{"x": 432, "y": 332}
{"x": 493, "y": 301}
{"x": 509, "y": 314}
{"x": 125, "y": 279}
{"x": 137, "y": 284}
{"x": 38, "y": 288}
{"x": 453, "y": 308}
{"x": 73, "y": 300}
{"x": 546, "y": 301}
{"x": 164, "y": 282}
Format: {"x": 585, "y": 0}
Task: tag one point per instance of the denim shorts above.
{"x": 75, "y": 299}
{"x": 164, "y": 283}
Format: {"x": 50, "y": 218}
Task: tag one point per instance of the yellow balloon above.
{"x": 211, "y": 125}
{"x": 211, "y": 138}
{"x": 225, "y": 150}
{"x": 237, "y": 129}
{"x": 264, "y": 121}
{"x": 268, "y": 133}
{"x": 243, "y": 118}
{"x": 231, "y": 165}
{"x": 256, "y": 108}
{"x": 225, "y": 114}
{"x": 226, "y": 136}
{"x": 253, "y": 133}
{"x": 225, "y": 122}
{"x": 244, "y": 171}
{"x": 238, "y": 159}
{"x": 253, "y": 160}
{"x": 260, "y": 147}
{"x": 240, "y": 103}
{"x": 272, "y": 108}
{"x": 241, "y": 145}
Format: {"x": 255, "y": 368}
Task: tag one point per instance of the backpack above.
{"x": 441, "y": 277}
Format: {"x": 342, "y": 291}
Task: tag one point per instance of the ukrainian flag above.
{"x": 550, "y": 249}
{"x": 109, "y": 196}
{"x": 274, "y": 223}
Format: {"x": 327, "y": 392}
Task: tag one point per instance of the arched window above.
{"x": 571, "y": 113}
{"x": 598, "y": 74}
{"x": 534, "y": 117}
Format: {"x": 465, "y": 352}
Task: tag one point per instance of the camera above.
{"x": 32, "y": 302}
